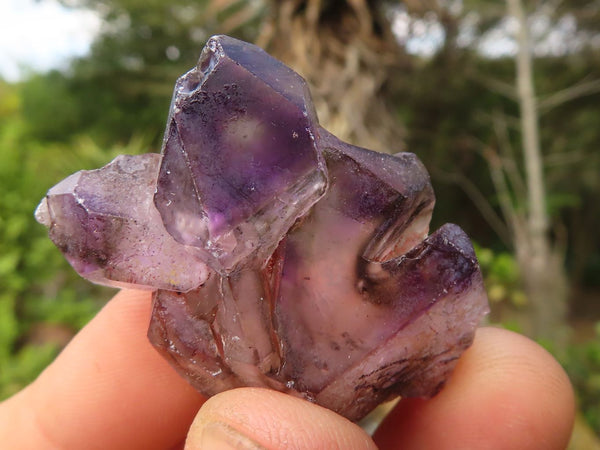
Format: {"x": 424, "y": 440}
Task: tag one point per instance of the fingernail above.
{"x": 217, "y": 435}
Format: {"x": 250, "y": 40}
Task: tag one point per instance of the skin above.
{"x": 110, "y": 389}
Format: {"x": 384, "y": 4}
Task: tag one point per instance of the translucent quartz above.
{"x": 105, "y": 223}
{"x": 240, "y": 159}
{"x": 280, "y": 256}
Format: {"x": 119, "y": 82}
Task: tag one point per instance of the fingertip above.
{"x": 506, "y": 392}
{"x": 259, "y": 418}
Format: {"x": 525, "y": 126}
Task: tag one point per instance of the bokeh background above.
{"x": 500, "y": 99}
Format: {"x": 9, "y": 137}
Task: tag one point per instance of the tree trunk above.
{"x": 542, "y": 266}
{"x": 348, "y": 55}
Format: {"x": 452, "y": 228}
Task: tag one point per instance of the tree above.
{"x": 451, "y": 117}
{"x": 523, "y": 194}
{"x": 346, "y": 51}
{"x": 542, "y": 266}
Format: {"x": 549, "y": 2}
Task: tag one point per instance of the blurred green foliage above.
{"x": 38, "y": 286}
{"x": 582, "y": 363}
{"x": 501, "y": 276}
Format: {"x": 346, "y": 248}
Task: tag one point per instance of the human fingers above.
{"x": 108, "y": 389}
{"x": 507, "y": 392}
{"x": 253, "y": 418}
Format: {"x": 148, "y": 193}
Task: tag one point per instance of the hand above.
{"x": 109, "y": 389}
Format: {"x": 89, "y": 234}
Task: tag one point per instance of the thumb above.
{"x": 254, "y": 418}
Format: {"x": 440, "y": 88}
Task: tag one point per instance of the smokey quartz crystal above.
{"x": 279, "y": 256}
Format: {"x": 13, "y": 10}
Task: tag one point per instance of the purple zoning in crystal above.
{"x": 240, "y": 159}
{"x": 105, "y": 223}
{"x": 280, "y": 256}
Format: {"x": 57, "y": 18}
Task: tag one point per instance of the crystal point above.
{"x": 104, "y": 222}
{"x": 280, "y": 256}
{"x": 240, "y": 139}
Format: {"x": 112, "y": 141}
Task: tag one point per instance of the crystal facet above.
{"x": 280, "y": 256}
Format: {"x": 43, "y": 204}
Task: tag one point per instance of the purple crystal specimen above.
{"x": 105, "y": 223}
{"x": 240, "y": 159}
{"x": 281, "y": 256}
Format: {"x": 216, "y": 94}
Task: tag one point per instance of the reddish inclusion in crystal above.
{"x": 280, "y": 256}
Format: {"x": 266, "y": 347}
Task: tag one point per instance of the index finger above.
{"x": 109, "y": 388}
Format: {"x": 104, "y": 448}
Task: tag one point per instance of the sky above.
{"x": 42, "y": 35}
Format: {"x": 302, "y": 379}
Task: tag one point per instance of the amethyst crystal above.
{"x": 105, "y": 223}
{"x": 240, "y": 158}
{"x": 279, "y": 255}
